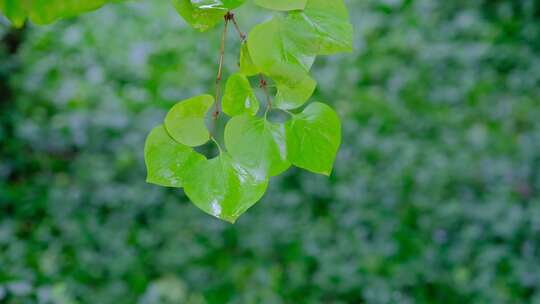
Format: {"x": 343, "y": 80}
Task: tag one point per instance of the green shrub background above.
{"x": 435, "y": 196}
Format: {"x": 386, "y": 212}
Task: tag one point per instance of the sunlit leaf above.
{"x": 313, "y": 138}
{"x": 167, "y": 160}
{"x": 239, "y": 97}
{"x": 223, "y": 188}
{"x": 257, "y": 144}
{"x": 185, "y": 122}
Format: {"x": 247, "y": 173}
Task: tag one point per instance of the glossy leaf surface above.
{"x": 239, "y": 97}
{"x": 224, "y": 189}
{"x": 313, "y": 138}
{"x": 257, "y": 144}
{"x": 166, "y": 160}
{"x": 185, "y": 122}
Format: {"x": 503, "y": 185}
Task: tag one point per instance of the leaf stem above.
{"x": 219, "y": 77}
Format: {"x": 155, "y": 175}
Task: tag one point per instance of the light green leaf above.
{"x": 313, "y": 138}
{"x": 247, "y": 67}
{"x": 323, "y": 21}
{"x": 257, "y": 144}
{"x": 292, "y": 96}
{"x": 166, "y": 160}
{"x": 205, "y": 14}
{"x": 239, "y": 97}
{"x": 275, "y": 54}
{"x": 223, "y": 188}
{"x": 185, "y": 122}
{"x": 282, "y": 5}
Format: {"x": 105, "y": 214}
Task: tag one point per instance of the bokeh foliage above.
{"x": 434, "y": 198}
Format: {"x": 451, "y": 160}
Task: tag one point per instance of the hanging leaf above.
{"x": 325, "y": 22}
{"x": 292, "y": 96}
{"x": 185, "y": 122}
{"x": 282, "y": 5}
{"x": 257, "y": 144}
{"x": 239, "y": 97}
{"x": 166, "y": 160}
{"x": 247, "y": 67}
{"x": 223, "y": 188}
{"x": 205, "y": 14}
{"x": 313, "y": 138}
{"x": 275, "y": 54}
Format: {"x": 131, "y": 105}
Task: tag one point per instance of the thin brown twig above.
{"x": 219, "y": 76}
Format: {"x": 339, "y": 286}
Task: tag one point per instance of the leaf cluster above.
{"x": 255, "y": 148}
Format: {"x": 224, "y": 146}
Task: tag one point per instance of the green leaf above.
{"x": 275, "y": 54}
{"x": 185, "y": 122}
{"x": 323, "y": 21}
{"x": 205, "y": 14}
{"x": 292, "y": 96}
{"x": 247, "y": 67}
{"x": 223, "y": 188}
{"x": 14, "y": 11}
{"x": 282, "y": 5}
{"x": 166, "y": 160}
{"x": 313, "y": 138}
{"x": 239, "y": 97}
{"x": 47, "y": 11}
{"x": 257, "y": 144}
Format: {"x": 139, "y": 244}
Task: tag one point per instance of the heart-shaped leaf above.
{"x": 166, "y": 160}
{"x": 185, "y": 122}
{"x": 239, "y": 97}
{"x": 223, "y": 188}
{"x": 313, "y": 138}
{"x": 257, "y": 144}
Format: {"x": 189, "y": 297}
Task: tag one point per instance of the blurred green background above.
{"x": 434, "y": 198}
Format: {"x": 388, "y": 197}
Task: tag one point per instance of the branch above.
{"x": 219, "y": 76}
